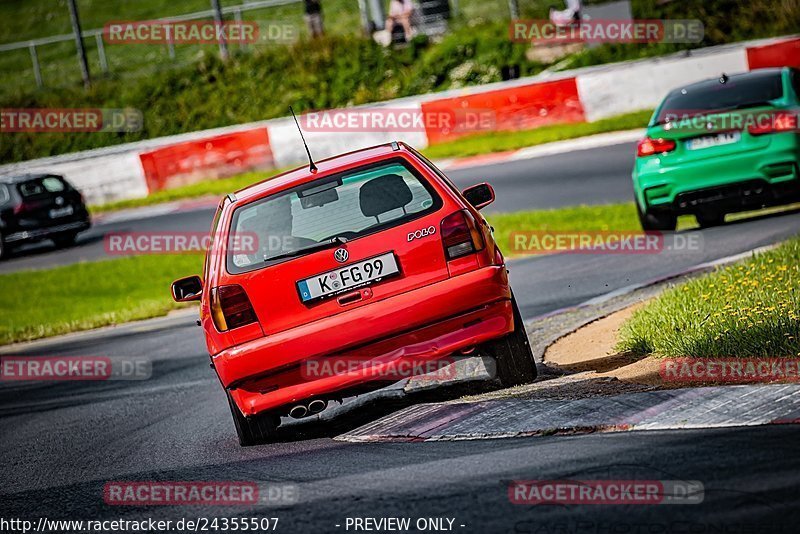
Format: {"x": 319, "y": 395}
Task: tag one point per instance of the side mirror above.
{"x": 480, "y": 195}
{"x": 187, "y": 289}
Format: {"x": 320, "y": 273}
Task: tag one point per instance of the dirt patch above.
{"x": 591, "y": 349}
{"x": 643, "y": 371}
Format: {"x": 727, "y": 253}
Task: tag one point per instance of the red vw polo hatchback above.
{"x": 373, "y": 257}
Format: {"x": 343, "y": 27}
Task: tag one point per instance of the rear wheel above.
{"x": 707, "y": 219}
{"x": 64, "y": 240}
{"x": 3, "y": 248}
{"x": 255, "y": 429}
{"x": 513, "y": 354}
{"x": 665, "y": 220}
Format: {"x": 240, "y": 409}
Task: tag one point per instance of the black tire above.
{"x": 664, "y": 221}
{"x": 513, "y": 355}
{"x": 3, "y": 249}
{"x": 252, "y": 430}
{"x": 709, "y": 218}
{"x": 64, "y": 240}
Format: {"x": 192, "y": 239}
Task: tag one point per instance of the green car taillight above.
{"x": 648, "y": 146}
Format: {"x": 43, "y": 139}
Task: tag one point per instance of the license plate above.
{"x": 349, "y": 277}
{"x": 707, "y": 141}
{"x": 61, "y": 212}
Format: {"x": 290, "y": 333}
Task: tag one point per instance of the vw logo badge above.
{"x": 341, "y": 255}
{"x": 59, "y": 201}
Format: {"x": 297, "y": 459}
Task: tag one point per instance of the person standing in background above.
{"x": 314, "y": 17}
{"x": 565, "y": 17}
{"x": 400, "y": 12}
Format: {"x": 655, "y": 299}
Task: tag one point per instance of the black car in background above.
{"x": 34, "y": 207}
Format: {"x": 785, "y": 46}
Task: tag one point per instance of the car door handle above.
{"x": 350, "y": 298}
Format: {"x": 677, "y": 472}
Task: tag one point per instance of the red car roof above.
{"x": 332, "y": 165}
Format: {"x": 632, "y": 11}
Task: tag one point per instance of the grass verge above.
{"x": 750, "y": 309}
{"x": 55, "y": 301}
{"x": 604, "y": 217}
{"x": 503, "y": 141}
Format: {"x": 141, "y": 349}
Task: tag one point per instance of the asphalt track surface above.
{"x": 60, "y": 443}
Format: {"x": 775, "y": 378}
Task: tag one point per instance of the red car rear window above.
{"x": 347, "y": 205}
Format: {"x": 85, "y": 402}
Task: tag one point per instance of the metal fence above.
{"x": 97, "y": 34}
{"x": 432, "y": 19}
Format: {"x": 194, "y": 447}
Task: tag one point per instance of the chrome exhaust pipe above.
{"x": 298, "y": 412}
{"x": 317, "y": 405}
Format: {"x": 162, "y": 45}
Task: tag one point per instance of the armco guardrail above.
{"x": 136, "y": 169}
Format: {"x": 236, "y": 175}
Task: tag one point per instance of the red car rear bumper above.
{"x": 427, "y": 324}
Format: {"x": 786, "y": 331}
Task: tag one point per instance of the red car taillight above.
{"x": 460, "y": 235}
{"x": 777, "y": 123}
{"x": 648, "y": 147}
{"x": 19, "y": 209}
{"x": 230, "y": 308}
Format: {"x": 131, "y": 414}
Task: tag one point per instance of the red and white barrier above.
{"x": 288, "y": 148}
{"x": 212, "y": 157}
{"x": 782, "y": 53}
{"x": 589, "y": 94}
{"x": 518, "y": 108}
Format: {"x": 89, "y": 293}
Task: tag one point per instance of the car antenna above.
{"x": 311, "y": 166}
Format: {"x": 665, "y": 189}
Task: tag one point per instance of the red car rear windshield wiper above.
{"x": 338, "y": 240}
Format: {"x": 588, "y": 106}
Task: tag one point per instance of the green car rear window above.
{"x": 738, "y": 92}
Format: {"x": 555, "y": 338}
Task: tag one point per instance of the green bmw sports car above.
{"x": 720, "y": 146}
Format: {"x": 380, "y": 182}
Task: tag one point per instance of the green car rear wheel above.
{"x": 664, "y": 221}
